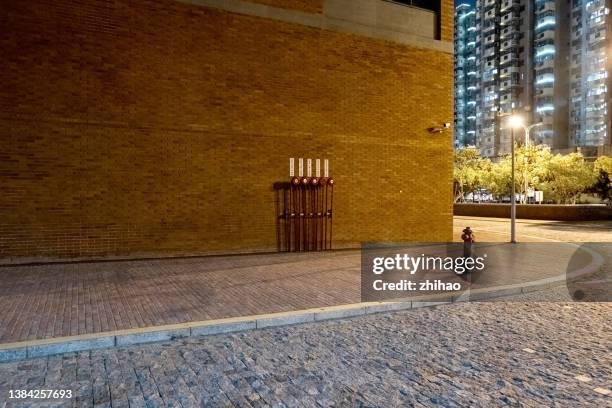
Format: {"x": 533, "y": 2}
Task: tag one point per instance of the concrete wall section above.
{"x": 386, "y": 15}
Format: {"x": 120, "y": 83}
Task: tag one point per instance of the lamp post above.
{"x": 515, "y": 122}
{"x": 512, "y": 198}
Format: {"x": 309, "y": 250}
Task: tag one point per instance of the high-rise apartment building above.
{"x": 546, "y": 59}
{"x": 590, "y": 73}
{"x": 467, "y": 75}
{"x": 494, "y": 71}
{"x": 550, "y": 39}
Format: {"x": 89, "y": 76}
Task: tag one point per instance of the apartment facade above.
{"x": 590, "y": 73}
{"x": 467, "y": 75}
{"x": 523, "y": 50}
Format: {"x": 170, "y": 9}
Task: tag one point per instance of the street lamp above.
{"x": 515, "y": 122}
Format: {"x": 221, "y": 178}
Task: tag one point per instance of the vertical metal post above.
{"x": 295, "y": 212}
{"x": 325, "y": 213}
{"x": 331, "y": 213}
{"x": 512, "y": 196}
{"x": 287, "y": 201}
{"x": 525, "y": 164}
{"x": 304, "y": 213}
{"x": 289, "y": 205}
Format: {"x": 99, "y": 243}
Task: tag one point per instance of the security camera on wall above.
{"x": 445, "y": 126}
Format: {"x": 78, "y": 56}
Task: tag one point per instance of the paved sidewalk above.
{"x": 71, "y": 299}
{"x": 496, "y": 229}
{"x": 57, "y": 300}
{"x": 46, "y": 301}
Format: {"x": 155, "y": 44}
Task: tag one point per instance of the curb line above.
{"x": 119, "y": 338}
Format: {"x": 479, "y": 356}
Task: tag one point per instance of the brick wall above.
{"x": 141, "y": 127}
{"x": 447, "y": 20}
{"x": 310, "y": 6}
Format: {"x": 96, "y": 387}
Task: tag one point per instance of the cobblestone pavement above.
{"x": 525, "y": 353}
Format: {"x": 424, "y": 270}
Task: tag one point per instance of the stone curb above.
{"x": 47, "y": 347}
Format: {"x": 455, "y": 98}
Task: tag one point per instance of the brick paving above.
{"x": 524, "y": 353}
{"x": 57, "y": 300}
{"x": 70, "y": 299}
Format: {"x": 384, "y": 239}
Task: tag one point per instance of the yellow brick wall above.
{"x": 447, "y": 20}
{"x": 155, "y": 127}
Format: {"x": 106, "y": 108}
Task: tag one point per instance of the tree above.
{"x": 468, "y": 172}
{"x": 603, "y": 172}
{"x": 562, "y": 178}
{"x": 567, "y": 177}
{"x": 497, "y": 178}
{"x": 531, "y": 167}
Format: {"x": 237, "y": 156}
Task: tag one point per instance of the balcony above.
{"x": 510, "y": 44}
{"x": 508, "y": 85}
{"x": 545, "y": 23}
{"x": 545, "y": 64}
{"x": 509, "y": 18}
{"x": 490, "y": 52}
{"x": 509, "y": 71}
{"x": 490, "y": 16}
{"x": 545, "y": 80}
{"x": 596, "y": 38}
{"x": 597, "y": 22}
{"x": 491, "y": 39}
{"x": 545, "y": 51}
{"x": 549, "y": 6}
{"x": 508, "y": 59}
{"x": 508, "y": 4}
{"x": 545, "y": 35}
{"x": 488, "y": 28}
{"x": 548, "y": 91}
{"x": 508, "y": 32}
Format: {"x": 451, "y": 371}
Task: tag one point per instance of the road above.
{"x": 479, "y": 354}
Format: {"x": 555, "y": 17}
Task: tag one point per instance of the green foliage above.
{"x": 562, "y": 177}
{"x": 469, "y": 169}
{"x": 497, "y": 178}
{"x": 604, "y": 163}
{"x": 603, "y": 172}
{"x": 567, "y": 177}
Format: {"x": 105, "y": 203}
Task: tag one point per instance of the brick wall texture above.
{"x": 447, "y": 20}
{"x": 138, "y": 127}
